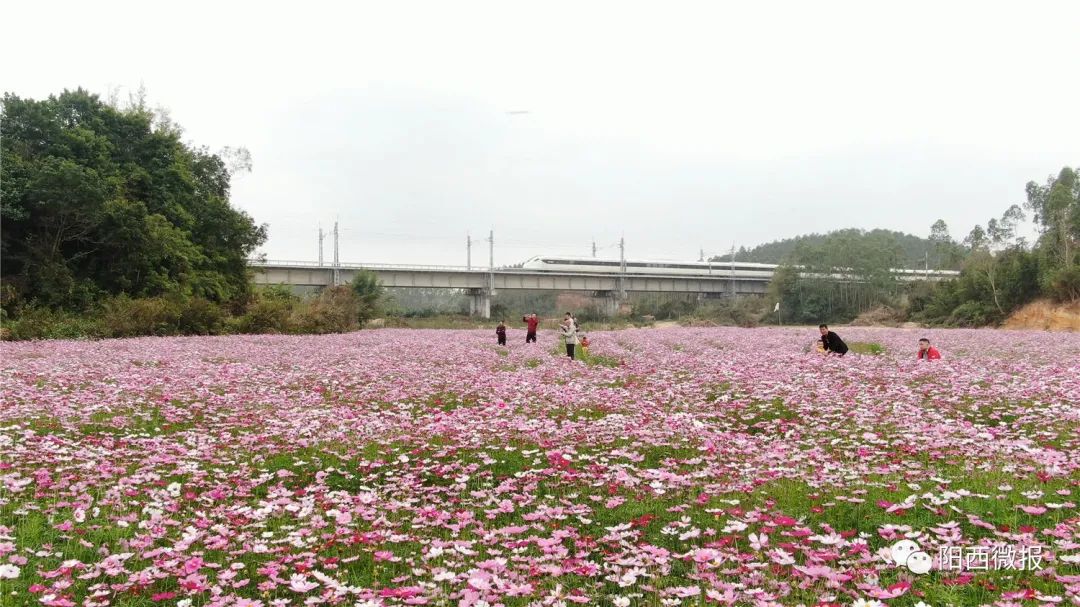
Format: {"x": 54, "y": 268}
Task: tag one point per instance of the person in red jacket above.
{"x": 926, "y": 351}
{"x": 531, "y": 322}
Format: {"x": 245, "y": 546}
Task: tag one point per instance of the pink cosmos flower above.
{"x": 705, "y": 555}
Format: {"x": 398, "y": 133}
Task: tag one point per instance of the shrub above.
{"x": 741, "y": 312}
{"x": 126, "y": 317}
{"x": 31, "y": 322}
{"x": 1064, "y": 284}
{"x": 970, "y": 314}
{"x": 368, "y": 292}
{"x": 335, "y": 310}
{"x": 590, "y": 314}
{"x": 264, "y": 315}
{"x": 200, "y": 316}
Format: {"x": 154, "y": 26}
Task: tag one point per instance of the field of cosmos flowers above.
{"x": 674, "y": 467}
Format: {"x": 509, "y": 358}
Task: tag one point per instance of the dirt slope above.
{"x": 1047, "y": 316}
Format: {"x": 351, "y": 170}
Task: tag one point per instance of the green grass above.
{"x": 866, "y": 347}
{"x": 758, "y": 415}
{"x": 600, "y": 360}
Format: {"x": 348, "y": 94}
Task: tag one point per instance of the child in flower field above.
{"x": 500, "y": 332}
{"x": 584, "y": 345}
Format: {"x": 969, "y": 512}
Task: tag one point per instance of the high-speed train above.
{"x": 590, "y": 265}
{"x": 738, "y": 269}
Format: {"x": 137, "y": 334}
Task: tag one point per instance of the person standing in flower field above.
{"x": 584, "y": 345}
{"x": 926, "y": 351}
{"x": 500, "y": 332}
{"x": 569, "y": 334}
{"x": 831, "y": 341}
{"x": 531, "y": 322}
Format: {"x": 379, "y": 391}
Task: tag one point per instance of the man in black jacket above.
{"x": 832, "y": 341}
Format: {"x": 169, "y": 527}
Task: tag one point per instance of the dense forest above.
{"x": 913, "y": 251}
{"x": 112, "y": 225}
{"x": 100, "y": 201}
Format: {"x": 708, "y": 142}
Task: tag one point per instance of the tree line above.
{"x": 910, "y": 250}
{"x": 100, "y": 200}
{"x": 999, "y": 271}
{"x": 112, "y": 225}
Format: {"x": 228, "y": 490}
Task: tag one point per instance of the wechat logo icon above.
{"x": 907, "y": 553}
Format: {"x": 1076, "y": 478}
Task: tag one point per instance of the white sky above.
{"x": 681, "y": 125}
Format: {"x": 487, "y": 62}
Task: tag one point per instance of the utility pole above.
{"x": 731, "y": 264}
{"x": 468, "y": 251}
{"x": 594, "y": 249}
{"x": 701, "y": 255}
{"x": 320, "y": 244}
{"x": 622, "y": 268}
{"x": 337, "y": 260}
{"x": 926, "y": 265}
{"x": 491, "y": 262}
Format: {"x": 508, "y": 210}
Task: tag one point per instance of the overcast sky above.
{"x": 679, "y": 125}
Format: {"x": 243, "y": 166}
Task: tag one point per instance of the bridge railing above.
{"x": 287, "y": 263}
{"x": 312, "y": 265}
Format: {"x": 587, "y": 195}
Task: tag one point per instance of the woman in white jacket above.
{"x": 569, "y": 333}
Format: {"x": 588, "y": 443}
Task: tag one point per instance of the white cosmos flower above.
{"x": 734, "y": 527}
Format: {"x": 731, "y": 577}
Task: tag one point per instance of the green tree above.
{"x": 369, "y": 291}
{"x": 947, "y": 253}
{"x": 1056, "y": 208}
{"x": 988, "y": 247}
{"x": 98, "y": 200}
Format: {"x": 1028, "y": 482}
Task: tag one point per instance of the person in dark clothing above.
{"x": 531, "y": 322}
{"x": 500, "y": 332}
{"x": 832, "y": 342}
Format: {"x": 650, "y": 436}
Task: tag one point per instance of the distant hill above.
{"x": 913, "y": 248}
